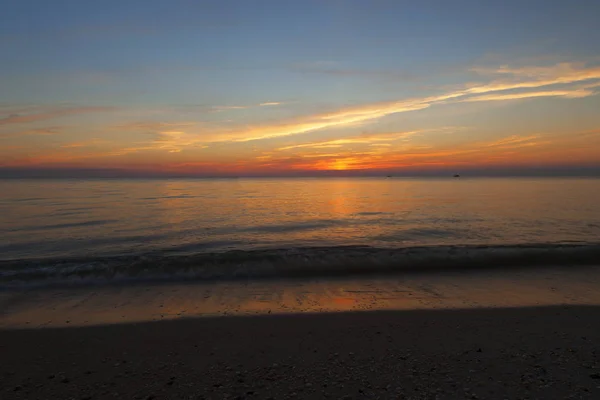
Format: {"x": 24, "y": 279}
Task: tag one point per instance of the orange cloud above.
{"x": 87, "y": 143}
{"x": 388, "y": 157}
{"x": 363, "y": 139}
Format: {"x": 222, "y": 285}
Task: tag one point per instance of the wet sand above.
{"x": 101, "y": 305}
{"x": 527, "y": 334}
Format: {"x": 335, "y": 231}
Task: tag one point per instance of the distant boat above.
{"x": 389, "y": 176}
{"x": 456, "y": 175}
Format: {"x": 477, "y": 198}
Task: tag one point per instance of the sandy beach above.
{"x": 545, "y": 352}
{"x": 523, "y": 334}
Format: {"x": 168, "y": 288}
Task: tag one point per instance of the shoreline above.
{"x": 476, "y": 335}
{"x": 153, "y": 301}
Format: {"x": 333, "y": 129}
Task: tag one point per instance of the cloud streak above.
{"x": 229, "y": 108}
{"x": 51, "y": 130}
{"x": 345, "y": 117}
{"x": 570, "y": 94}
{"x": 536, "y": 78}
{"x": 363, "y": 139}
{"x": 51, "y": 114}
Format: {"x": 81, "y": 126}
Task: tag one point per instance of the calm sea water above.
{"x": 66, "y": 218}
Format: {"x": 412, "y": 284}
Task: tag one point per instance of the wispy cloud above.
{"x": 88, "y": 143}
{"x": 227, "y": 108}
{"x": 509, "y": 149}
{"x": 176, "y": 141}
{"x": 345, "y": 117}
{"x": 51, "y": 130}
{"x": 246, "y": 107}
{"x": 169, "y": 141}
{"x": 169, "y": 136}
{"x": 511, "y": 141}
{"x": 384, "y": 155}
{"x": 534, "y": 78}
{"x": 50, "y": 114}
{"x": 147, "y": 126}
{"x": 363, "y": 139}
{"x": 73, "y": 145}
{"x": 570, "y": 94}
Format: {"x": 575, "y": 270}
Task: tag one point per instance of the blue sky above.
{"x": 227, "y": 69}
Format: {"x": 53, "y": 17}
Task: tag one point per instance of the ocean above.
{"x": 86, "y": 231}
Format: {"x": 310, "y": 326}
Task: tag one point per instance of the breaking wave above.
{"x": 282, "y": 263}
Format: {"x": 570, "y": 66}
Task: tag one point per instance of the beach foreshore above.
{"x": 528, "y": 334}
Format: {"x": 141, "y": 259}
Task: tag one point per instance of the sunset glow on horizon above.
{"x": 230, "y": 88}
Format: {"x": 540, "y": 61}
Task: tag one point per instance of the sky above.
{"x": 253, "y": 88}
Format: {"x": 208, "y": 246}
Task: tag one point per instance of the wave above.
{"x": 68, "y": 225}
{"x": 307, "y": 262}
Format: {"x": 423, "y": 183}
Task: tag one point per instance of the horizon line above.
{"x": 116, "y": 173}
